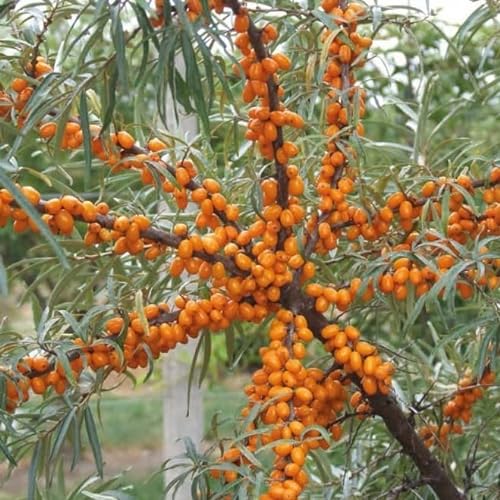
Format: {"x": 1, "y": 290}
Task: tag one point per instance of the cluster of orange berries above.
{"x": 38, "y": 374}
{"x": 341, "y": 298}
{"x": 215, "y": 313}
{"x": 261, "y": 279}
{"x": 399, "y": 280}
{"x": 262, "y": 275}
{"x": 469, "y": 391}
{"x": 213, "y": 205}
{"x": 161, "y": 332}
{"x": 119, "y": 151}
{"x": 458, "y": 408}
{"x": 127, "y": 235}
{"x": 462, "y": 222}
{"x": 337, "y": 212}
{"x": 405, "y": 272}
{"x": 291, "y": 397}
{"x": 61, "y": 213}
{"x": 359, "y": 358}
{"x": 58, "y": 213}
{"x": 267, "y": 119}
{"x": 275, "y": 214}
{"x": 343, "y": 112}
{"x": 23, "y": 90}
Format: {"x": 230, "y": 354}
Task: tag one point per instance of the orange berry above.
{"x": 114, "y": 325}
{"x": 38, "y": 385}
{"x": 345, "y": 54}
{"x": 47, "y": 130}
{"x": 298, "y": 456}
{"x": 445, "y": 261}
{"x": 428, "y": 189}
{"x": 283, "y": 61}
{"x": 415, "y": 276}
{"x": 386, "y": 283}
{"x": 401, "y": 275}
{"x": 365, "y": 348}
{"x": 185, "y": 249}
{"x": 125, "y": 140}
{"x": 39, "y": 364}
{"x": 304, "y": 395}
{"x": 241, "y": 23}
{"x": 369, "y": 385}
{"x": 406, "y": 210}
{"x": 18, "y": 84}
{"x": 400, "y": 292}
{"x": 343, "y": 355}
{"x": 395, "y": 200}
{"x": 290, "y": 149}
{"x": 156, "y": 145}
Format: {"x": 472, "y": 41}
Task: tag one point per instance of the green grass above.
{"x": 130, "y": 421}
{"x": 140, "y": 488}
{"x": 227, "y": 404}
{"x": 137, "y": 420}
{"x": 150, "y": 488}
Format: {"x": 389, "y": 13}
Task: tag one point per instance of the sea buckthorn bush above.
{"x": 340, "y": 207}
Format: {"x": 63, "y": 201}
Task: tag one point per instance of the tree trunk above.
{"x": 177, "y": 424}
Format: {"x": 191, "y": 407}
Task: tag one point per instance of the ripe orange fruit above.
{"x": 283, "y": 61}
{"x": 345, "y": 54}
{"x": 125, "y": 140}
{"x": 47, "y": 130}
{"x": 386, "y": 283}
{"x": 38, "y": 385}
{"x": 39, "y": 364}
{"x": 445, "y": 261}
{"x": 406, "y": 210}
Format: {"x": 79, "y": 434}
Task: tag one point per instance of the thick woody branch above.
{"x": 397, "y": 422}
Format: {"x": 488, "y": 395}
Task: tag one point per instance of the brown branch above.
{"x": 432, "y": 472}
{"x": 418, "y": 202}
{"x": 398, "y": 424}
{"x": 160, "y": 236}
{"x": 165, "y": 317}
{"x": 261, "y": 52}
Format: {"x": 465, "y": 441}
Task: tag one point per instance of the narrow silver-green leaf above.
{"x": 32, "y": 472}
{"x": 87, "y": 146}
{"x": 60, "y": 434}
{"x": 93, "y": 439}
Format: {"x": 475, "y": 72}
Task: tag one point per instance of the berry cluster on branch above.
{"x": 459, "y": 407}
